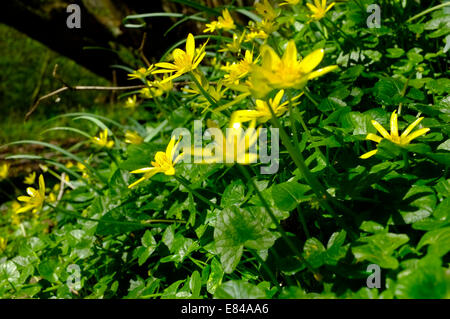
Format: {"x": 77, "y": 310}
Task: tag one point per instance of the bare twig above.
{"x": 141, "y": 50}
{"x": 61, "y": 187}
{"x": 79, "y": 88}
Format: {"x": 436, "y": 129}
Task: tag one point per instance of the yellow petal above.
{"x": 394, "y": 124}
{"x": 311, "y": 61}
{"x": 277, "y": 99}
{"x": 416, "y": 134}
{"x": 330, "y": 6}
{"x": 373, "y": 137}
{"x": 169, "y": 148}
{"x": 190, "y": 45}
{"x": 290, "y": 55}
{"x": 411, "y": 127}
{"x": 142, "y": 170}
{"x": 24, "y": 209}
{"x": 137, "y": 182}
{"x": 368, "y": 154}
{"x": 41, "y": 186}
{"x": 381, "y": 129}
{"x": 312, "y": 8}
{"x": 24, "y": 198}
{"x": 321, "y": 71}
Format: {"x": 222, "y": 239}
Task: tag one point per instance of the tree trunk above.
{"x": 101, "y": 27}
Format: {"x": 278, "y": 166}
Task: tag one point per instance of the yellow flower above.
{"x": 102, "y": 140}
{"x": 238, "y": 70}
{"x": 163, "y": 85}
{"x": 164, "y": 163}
{"x": 319, "y": 9}
{"x": 238, "y": 146}
{"x": 157, "y": 88}
{"x": 234, "y": 46}
{"x": 287, "y": 72}
{"x": 3, "y": 242}
{"x": 211, "y": 27}
{"x": 266, "y": 10}
{"x": 133, "y": 138}
{"x": 4, "y": 170}
{"x": 69, "y": 164}
{"x": 184, "y": 61}
{"x": 83, "y": 169}
{"x": 141, "y": 73}
{"x": 36, "y": 199}
{"x": 256, "y": 35}
{"x": 131, "y": 102}
{"x": 217, "y": 92}
{"x": 225, "y": 22}
{"x": 30, "y": 179}
{"x": 267, "y": 26}
{"x": 403, "y": 139}
{"x": 262, "y": 113}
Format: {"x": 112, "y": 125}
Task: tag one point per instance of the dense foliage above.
{"x": 362, "y": 111}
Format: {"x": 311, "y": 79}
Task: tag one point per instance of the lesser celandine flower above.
{"x": 141, "y": 73}
{"x": 4, "y": 170}
{"x": 102, "y": 139}
{"x": 234, "y": 46}
{"x": 237, "y": 71}
{"x": 393, "y": 136}
{"x": 184, "y": 61}
{"x": 29, "y": 180}
{"x": 319, "y": 9}
{"x": 36, "y": 199}
{"x": 133, "y": 138}
{"x": 262, "y": 113}
{"x": 287, "y": 71}
{"x": 225, "y": 22}
{"x": 131, "y": 102}
{"x": 266, "y": 10}
{"x": 164, "y": 163}
{"x": 259, "y": 34}
{"x": 237, "y": 146}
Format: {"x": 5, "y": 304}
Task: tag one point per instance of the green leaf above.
{"x": 195, "y": 284}
{"x": 47, "y": 269}
{"x": 421, "y": 202}
{"x": 371, "y": 227}
{"x": 9, "y": 272}
{"x": 379, "y": 249}
{"x": 426, "y": 281}
{"x": 314, "y": 252}
{"x": 289, "y": 194}
{"x": 238, "y": 289}
{"x": 148, "y": 247}
{"x": 238, "y": 227}
{"x": 439, "y": 241}
{"x": 394, "y": 53}
{"x": 234, "y": 194}
{"x": 215, "y": 276}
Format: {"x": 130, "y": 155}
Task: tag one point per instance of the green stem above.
{"x": 303, "y": 222}
{"x": 202, "y": 90}
{"x": 442, "y": 5}
{"x": 269, "y": 271}
{"x": 306, "y": 91}
{"x": 280, "y": 229}
{"x": 185, "y": 183}
{"x": 322, "y": 195}
{"x": 140, "y": 223}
